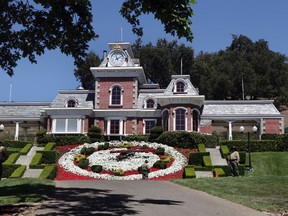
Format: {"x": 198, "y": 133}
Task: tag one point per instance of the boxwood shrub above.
{"x": 83, "y": 163}
{"x": 189, "y": 172}
{"x": 220, "y": 172}
{"x": 26, "y": 149}
{"x": 9, "y": 169}
{"x": 224, "y": 150}
{"x": 49, "y": 146}
{"x": 256, "y": 145}
{"x": 207, "y": 161}
{"x": 155, "y": 133}
{"x": 96, "y": 168}
{"x": 160, "y": 164}
{"x": 196, "y": 158}
{"x": 135, "y": 137}
{"x": 12, "y": 158}
{"x": 18, "y": 173}
{"x": 201, "y": 147}
{"x": 49, "y": 172}
{"x": 36, "y": 161}
{"x": 13, "y": 143}
{"x": 49, "y": 157}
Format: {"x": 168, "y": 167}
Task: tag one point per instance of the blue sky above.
{"x": 213, "y": 25}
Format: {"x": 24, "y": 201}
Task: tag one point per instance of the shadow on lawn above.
{"x": 81, "y": 201}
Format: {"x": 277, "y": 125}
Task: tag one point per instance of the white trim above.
{"x": 121, "y": 96}
{"x": 71, "y": 99}
{"x": 150, "y": 98}
{"x": 162, "y": 119}
{"x": 144, "y": 124}
{"x": 79, "y": 124}
{"x": 174, "y": 118}
{"x": 175, "y": 86}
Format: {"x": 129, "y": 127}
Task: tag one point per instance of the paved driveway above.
{"x": 149, "y": 198}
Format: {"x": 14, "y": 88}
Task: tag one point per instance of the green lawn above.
{"x": 265, "y": 189}
{"x": 23, "y": 190}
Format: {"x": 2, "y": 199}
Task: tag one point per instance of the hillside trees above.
{"x": 29, "y": 28}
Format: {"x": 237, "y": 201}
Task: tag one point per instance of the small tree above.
{"x": 155, "y": 133}
{"x": 95, "y": 134}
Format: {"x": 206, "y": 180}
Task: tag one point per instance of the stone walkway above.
{"x": 216, "y": 157}
{"x": 26, "y": 160}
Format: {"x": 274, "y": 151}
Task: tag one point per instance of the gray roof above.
{"x": 240, "y": 108}
{"x": 84, "y": 98}
{"x": 22, "y": 110}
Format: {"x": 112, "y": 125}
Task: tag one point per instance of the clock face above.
{"x": 117, "y": 57}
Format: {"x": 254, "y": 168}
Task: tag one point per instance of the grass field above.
{"x": 265, "y": 189}
{"x": 24, "y": 190}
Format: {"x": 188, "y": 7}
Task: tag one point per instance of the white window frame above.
{"x": 69, "y": 99}
{"x": 144, "y": 124}
{"x": 174, "y": 118}
{"x": 78, "y": 130}
{"x": 175, "y": 86}
{"x": 121, "y": 96}
{"x": 150, "y": 98}
{"x": 121, "y": 126}
{"x": 162, "y": 118}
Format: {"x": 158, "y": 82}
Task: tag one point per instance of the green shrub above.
{"x": 83, "y": 163}
{"x": 160, "y": 165}
{"x": 201, "y": 147}
{"x": 26, "y": 149}
{"x": 49, "y": 146}
{"x": 219, "y": 171}
{"x": 96, "y": 168}
{"x": 61, "y": 140}
{"x": 87, "y": 151}
{"x": 11, "y": 150}
{"x": 100, "y": 147}
{"x": 135, "y": 137}
{"x": 36, "y": 161}
{"x": 207, "y": 161}
{"x": 224, "y": 150}
{"x": 242, "y": 157}
{"x": 241, "y": 168}
{"x": 9, "y": 169}
{"x": 189, "y": 172}
{"x": 49, "y": 172}
{"x": 256, "y": 145}
{"x": 95, "y": 134}
{"x": 196, "y": 158}
{"x": 106, "y": 146}
{"x": 226, "y": 169}
{"x": 12, "y": 158}
{"x": 13, "y": 143}
{"x": 18, "y": 173}
{"x": 155, "y": 133}
{"x": 49, "y": 157}
{"x": 160, "y": 151}
{"x": 200, "y": 168}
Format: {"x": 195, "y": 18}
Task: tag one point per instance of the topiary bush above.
{"x": 155, "y": 133}
{"x": 95, "y": 134}
{"x": 49, "y": 172}
{"x": 160, "y": 165}
{"x": 196, "y": 158}
{"x": 160, "y": 151}
{"x": 9, "y": 169}
{"x": 83, "y": 163}
{"x": 135, "y": 137}
{"x": 189, "y": 172}
{"x": 201, "y": 147}
{"x": 12, "y": 158}
{"x": 207, "y": 161}
{"x": 96, "y": 168}
{"x": 18, "y": 173}
{"x": 26, "y": 149}
{"x": 49, "y": 146}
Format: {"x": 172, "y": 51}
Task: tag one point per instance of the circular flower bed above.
{"x": 109, "y": 160}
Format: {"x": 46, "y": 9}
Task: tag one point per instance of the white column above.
{"x": 121, "y": 127}
{"x": 230, "y": 131}
{"x": 16, "y": 131}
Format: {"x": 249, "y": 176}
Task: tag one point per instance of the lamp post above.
{"x": 254, "y": 129}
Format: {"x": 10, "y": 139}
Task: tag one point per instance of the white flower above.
{"x": 107, "y": 158}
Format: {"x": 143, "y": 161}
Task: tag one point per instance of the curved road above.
{"x": 149, "y": 198}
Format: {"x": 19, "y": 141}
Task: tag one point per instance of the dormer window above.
{"x": 71, "y": 102}
{"x": 150, "y": 103}
{"x": 180, "y": 86}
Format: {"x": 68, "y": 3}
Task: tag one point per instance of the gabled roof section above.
{"x": 189, "y": 88}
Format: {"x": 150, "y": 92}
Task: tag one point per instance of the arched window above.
{"x": 150, "y": 103}
{"x": 180, "y": 119}
{"x": 180, "y": 87}
{"x": 195, "y": 115}
{"x": 116, "y": 95}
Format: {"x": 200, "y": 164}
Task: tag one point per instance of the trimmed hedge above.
{"x": 184, "y": 139}
{"x": 13, "y": 143}
{"x": 201, "y": 147}
{"x": 189, "y": 172}
{"x": 256, "y": 145}
{"x": 18, "y": 173}
{"x": 9, "y": 169}
{"x": 26, "y": 149}
{"x": 207, "y": 161}
{"x": 135, "y": 137}
{"x": 95, "y": 134}
{"x": 242, "y": 157}
{"x": 200, "y": 168}
{"x": 36, "y": 161}
{"x": 155, "y": 133}
{"x": 61, "y": 140}
{"x": 49, "y": 157}
{"x": 49, "y": 146}
{"x": 49, "y": 172}
{"x": 224, "y": 150}
{"x": 12, "y": 158}
{"x": 219, "y": 171}
{"x": 196, "y": 158}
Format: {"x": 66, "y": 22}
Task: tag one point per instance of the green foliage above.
{"x": 207, "y": 161}
{"x": 18, "y": 173}
{"x": 155, "y": 133}
{"x": 100, "y": 147}
{"x": 220, "y": 172}
{"x": 96, "y": 168}
{"x": 196, "y": 158}
{"x": 83, "y": 163}
{"x": 224, "y": 150}
{"x": 189, "y": 172}
{"x": 256, "y": 145}
{"x": 87, "y": 151}
{"x": 242, "y": 157}
{"x": 13, "y": 143}
{"x": 201, "y": 147}
{"x": 183, "y": 139}
{"x": 61, "y": 140}
{"x": 49, "y": 146}
{"x": 12, "y": 158}
{"x": 160, "y": 151}
{"x": 9, "y": 169}
{"x": 49, "y": 172}
{"x": 160, "y": 165}
{"x": 26, "y": 149}
{"x": 36, "y": 161}
{"x": 49, "y": 157}
{"x": 106, "y": 146}
{"x": 176, "y": 22}
{"x": 95, "y": 134}
{"x": 136, "y": 137}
